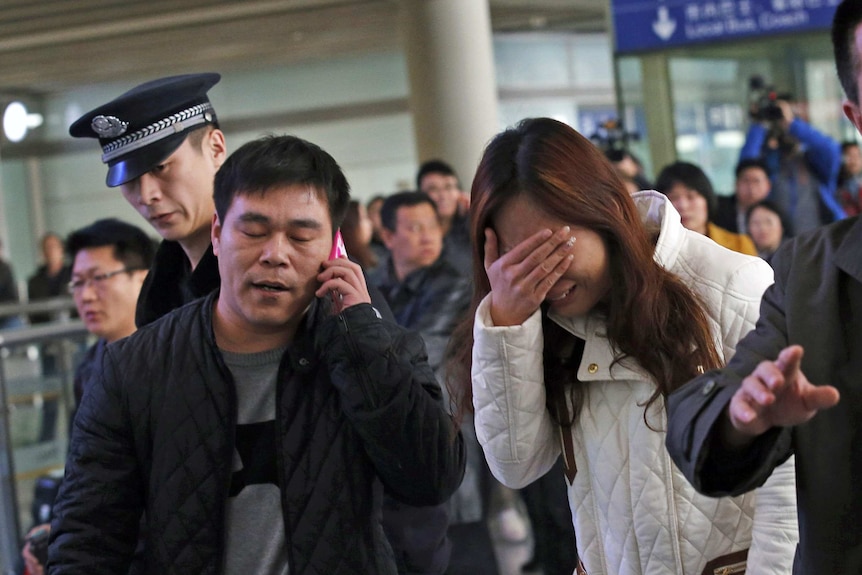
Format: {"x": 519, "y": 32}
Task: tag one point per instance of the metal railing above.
{"x": 58, "y": 308}
{"x": 37, "y": 364}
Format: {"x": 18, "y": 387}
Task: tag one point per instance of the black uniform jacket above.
{"x": 172, "y": 283}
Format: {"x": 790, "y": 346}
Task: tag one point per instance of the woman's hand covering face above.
{"x": 521, "y": 277}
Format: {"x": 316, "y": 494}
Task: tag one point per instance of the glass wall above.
{"x": 710, "y": 90}
{"x": 631, "y": 97}
{"x": 563, "y": 76}
{"x": 36, "y": 403}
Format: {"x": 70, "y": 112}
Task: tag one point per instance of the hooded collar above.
{"x": 658, "y": 215}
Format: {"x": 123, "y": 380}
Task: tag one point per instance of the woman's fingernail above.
{"x": 571, "y": 241}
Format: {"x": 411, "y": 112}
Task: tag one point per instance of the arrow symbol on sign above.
{"x": 664, "y": 27}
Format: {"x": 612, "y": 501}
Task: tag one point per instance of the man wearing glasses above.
{"x": 110, "y": 262}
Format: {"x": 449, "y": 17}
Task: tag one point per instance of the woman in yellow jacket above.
{"x": 690, "y": 191}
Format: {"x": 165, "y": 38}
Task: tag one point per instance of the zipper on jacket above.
{"x": 731, "y": 569}
{"x": 354, "y": 352}
{"x": 229, "y": 448}
{"x": 281, "y": 376}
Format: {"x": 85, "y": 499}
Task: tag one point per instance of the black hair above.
{"x": 616, "y": 156}
{"x": 434, "y": 167}
{"x": 195, "y": 137}
{"x": 749, "y": 163}
{"x": 691, "y": 176}
{"x": 847, "y": 18}
{"x": 847, "y": 144}
{"x": 786, "y": 230}
{"x": 277, "y": 161}
{"x": 389, "y": 209}
{"x": 131, "y": 245}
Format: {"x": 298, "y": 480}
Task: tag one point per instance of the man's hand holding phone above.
{"x": 341, "y": 279}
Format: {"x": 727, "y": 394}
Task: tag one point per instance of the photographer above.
{"x": 803, "y": 163}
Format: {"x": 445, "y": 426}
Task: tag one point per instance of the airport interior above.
{"x": 382, "y": 85}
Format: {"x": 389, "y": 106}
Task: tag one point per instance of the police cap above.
{"x": 141, "y": 128}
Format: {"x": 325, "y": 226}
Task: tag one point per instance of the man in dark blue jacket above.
{"x": 429, "y": 295}
{"x": 257, "y": 426}
{"x": 424, "y": 290}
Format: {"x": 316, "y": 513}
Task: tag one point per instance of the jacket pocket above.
{"x": 730, "y": 564}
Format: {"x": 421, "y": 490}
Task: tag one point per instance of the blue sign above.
{"x": 657, "y": 24}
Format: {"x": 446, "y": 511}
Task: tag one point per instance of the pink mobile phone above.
{"x": 338, "y": 250}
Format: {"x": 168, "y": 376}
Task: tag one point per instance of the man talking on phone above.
{"x": 258, "y": 426}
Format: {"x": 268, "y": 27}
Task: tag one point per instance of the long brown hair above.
{"x": 652, "y": 316}
{"x": 356, "y": 246}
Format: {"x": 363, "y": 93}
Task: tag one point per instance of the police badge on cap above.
{"x": 141, "y": 128}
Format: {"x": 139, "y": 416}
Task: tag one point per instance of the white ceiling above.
{"x": 52, "y": 45}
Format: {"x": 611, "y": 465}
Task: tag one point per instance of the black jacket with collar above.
{"x": 357, "y": 407}
{"x": 816, "y": 302}
{"x": 172, "y": 283}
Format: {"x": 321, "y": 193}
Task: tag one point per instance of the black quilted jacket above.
{"x": 357, "y": 406}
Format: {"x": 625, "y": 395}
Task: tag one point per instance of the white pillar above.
{"x": 453, "y": 91}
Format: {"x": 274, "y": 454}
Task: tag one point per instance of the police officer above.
{"x": 162, "y": 145}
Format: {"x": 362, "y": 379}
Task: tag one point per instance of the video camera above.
{"x": 610, "y": 135}
{"x": 763, "y": 100}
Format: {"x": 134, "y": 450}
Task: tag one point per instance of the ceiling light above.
{"x": 17, "y": 121}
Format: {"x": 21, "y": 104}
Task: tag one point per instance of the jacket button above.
{"x": 303, "y": 362}
{"x": 708, "y": 387}
{"x": 593, "y": 367}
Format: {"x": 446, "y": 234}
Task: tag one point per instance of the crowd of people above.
{"x": 663, "y": 378}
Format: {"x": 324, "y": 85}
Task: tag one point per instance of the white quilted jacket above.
{"x": 634, "y": 512}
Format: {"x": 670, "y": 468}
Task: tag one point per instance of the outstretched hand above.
{"x": 776, "y": 394}
{"x": 521, "y": 278}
